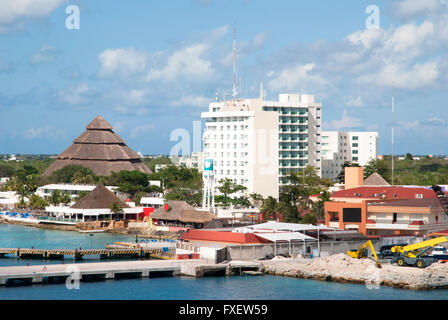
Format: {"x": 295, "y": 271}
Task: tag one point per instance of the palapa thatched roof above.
{"x": 101, "y": 150}
{"x": 182, "y": 211}
{"x": 375, "y": 180}
{"x": 99, "y": 198}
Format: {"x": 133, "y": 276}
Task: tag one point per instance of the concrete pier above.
{"x": 123, "y": 269}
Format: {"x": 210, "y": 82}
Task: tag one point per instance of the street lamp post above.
{"x": 318, "y": 240}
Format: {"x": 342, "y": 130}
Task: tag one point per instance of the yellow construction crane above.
{"x": 415, "y": 254}
{"x": 362, "y": 252}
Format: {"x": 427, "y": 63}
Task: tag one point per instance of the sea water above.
{"x": 176, "y": 288}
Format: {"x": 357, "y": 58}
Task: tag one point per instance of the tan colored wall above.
{"x": 353, "y": 177}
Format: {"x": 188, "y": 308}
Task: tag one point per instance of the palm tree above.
{"x": 115, "y": 208}
{"x": 269, "y": 208}
{"x": 55, "y": 197}
{"x": 66, "y": 198}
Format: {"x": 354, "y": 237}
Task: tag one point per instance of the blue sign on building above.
{"x": 208, "y": 165}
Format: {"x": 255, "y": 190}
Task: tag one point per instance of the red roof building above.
{"x": 222, "y": 237}
{"x": 382, "y": 193}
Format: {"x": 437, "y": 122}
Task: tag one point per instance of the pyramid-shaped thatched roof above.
{"x": 101, "y": 150}
{"x": 182, "y": 211}
{"x": 375, "y": 180}
{"x": 99, "y": 198}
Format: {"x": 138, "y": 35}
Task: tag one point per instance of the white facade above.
{"x": 339, "y": 147}
{"x": 152, "y": 202}
{"x": 72, "y": 189}
{"x": 195, "y": 160}
{"x": 257, "y": 143}
{"x": 8, "y": 199}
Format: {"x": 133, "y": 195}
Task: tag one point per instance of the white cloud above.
{"x": 191, "y": 101}
{"x": 245, "y": 49}
{"x": 124, "y": 61}
{"x": 13, "y": 10}
{"x": 141, "y": 130}
{"x": 403, "y": 77}
{"x": 42, "y": 133}
{"x": 347, "y": 121}
{"x": 76, "y": 95}
{"x": 187, "y": 63}
{"x": 354, "y": 102}
{"x": 135, "y": 97}
{"x": 139, "y": 111}
{"x": 416, "y": 8}
{"x": 297, "y": 78}
{"x": 46, "y": 54}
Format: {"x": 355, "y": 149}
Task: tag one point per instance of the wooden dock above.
{"x": 45, "y": 274}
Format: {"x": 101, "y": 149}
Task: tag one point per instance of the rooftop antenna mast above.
{"x": 393, "y": 132}
{"x": 234, "y": 91}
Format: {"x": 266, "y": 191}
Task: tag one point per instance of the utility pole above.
{"x": 392, "y": 133}
{"x": 234, "y": 91}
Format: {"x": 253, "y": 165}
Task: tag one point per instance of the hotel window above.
{"x": 355, "y": 138}
{"x": 355, "y": 151}
{"x": 354, "y": 145}
{"x": 355, "y": 159}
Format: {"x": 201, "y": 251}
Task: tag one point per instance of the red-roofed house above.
{"x": 386, "y": 210}
{"x": 222, "y": 237}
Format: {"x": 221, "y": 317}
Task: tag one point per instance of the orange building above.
{"x": 384, "y": 209}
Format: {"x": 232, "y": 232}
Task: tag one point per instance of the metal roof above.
{"x": 284, "y": 236}
{"x": 283, "y": 226}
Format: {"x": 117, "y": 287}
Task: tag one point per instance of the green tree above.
{"x": 55, "y": 197}
{"x": 151, "y": 163}
{"x": 378, "y": 166}
{"x": 71, "y": 173}
{"x": 65, "y": 198}
{"x": 36, "y": 202}
{"x": 256, "y": 199}
{"x": 191, "y": 196}
{"x": 81, "y": 194}
{"x": 408, "y": 156}
{"x": 227, "y": 188}
{"x": 116, "y": 209}
{"x": 270, "y": 208}
{"x": 295, "y": 197}
{"x": 6, "y": 170}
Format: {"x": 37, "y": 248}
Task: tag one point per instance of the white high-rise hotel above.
{"x": 257, "y": 143}
{"x": 339, "y": 147}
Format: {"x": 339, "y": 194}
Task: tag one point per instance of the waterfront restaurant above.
{"x": 179, "y": 214}
{"x": 96, "y": 206}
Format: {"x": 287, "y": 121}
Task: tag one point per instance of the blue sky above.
{"x": 150, "y": 67}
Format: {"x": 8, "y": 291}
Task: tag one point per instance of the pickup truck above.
{"x": 439, "y": 252}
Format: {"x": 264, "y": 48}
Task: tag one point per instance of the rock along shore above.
{"x": 342, "y": 268}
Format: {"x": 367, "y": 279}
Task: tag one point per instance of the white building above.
{"x": 155, "y": 201}
{"x": 257, "y": 143}
{"x": 8, "y": 199}
{"x": 339, "y": 147}
{"x": 195, "y": 160}
{"x": 72, "y": 189}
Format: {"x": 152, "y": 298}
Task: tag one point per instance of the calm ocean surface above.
{"x": 176, "y": 288}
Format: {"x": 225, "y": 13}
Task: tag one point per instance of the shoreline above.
{"x": 120, "y": 231}
{"x": 336, "y": 268}
{"x": 343, "y": 269}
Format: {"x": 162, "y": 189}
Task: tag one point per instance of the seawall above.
{"x": 342, "y": 268}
